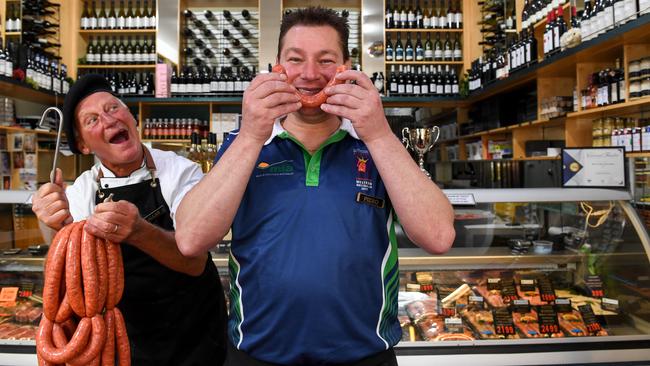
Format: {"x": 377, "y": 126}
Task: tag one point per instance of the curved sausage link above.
{"x": 58, "y": 336}
{"x": 89, "y": 273}
{"x": 121, "y": 340}
{"x": 102, "y": 266}
{"x": 51, "y": 353}
{"x": 120, "y": 275}
{"x": 314, "y": 101}
{"x": 108, "y": 353}
{"x": 74, "y": 289}
{"x": 95, "y": 345}
{"x": 65, "y": 311}
{"x": 112, "y": 261}
{"x": 54, "y": 265}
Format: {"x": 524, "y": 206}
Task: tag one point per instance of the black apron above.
{"x": 171, "y": 318}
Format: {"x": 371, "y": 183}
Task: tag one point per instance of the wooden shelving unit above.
{"x": 633, "y": 106}
{"x": 117, "y": 31}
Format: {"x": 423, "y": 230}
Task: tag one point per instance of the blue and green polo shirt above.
{"x": 313, "y": 264}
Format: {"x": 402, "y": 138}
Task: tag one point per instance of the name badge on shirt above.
{"x": 370, "y": 200}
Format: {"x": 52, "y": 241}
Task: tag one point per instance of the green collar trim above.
{"x": 313, "y": 162}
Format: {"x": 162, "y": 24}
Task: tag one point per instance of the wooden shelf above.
{"x": 116, "y": 31}
{"x": 12, "y": 34}
{"x": 135, "y": 66}
{"x": 533, "y": 158}
{"x": 644, "y": 154}
{"x": 399, "y": 30}
{"x": 22, "y": 91}
{"x": 424, "y": 62}
{"x": 26, "y": 130}
{"x": 633, "y": 106}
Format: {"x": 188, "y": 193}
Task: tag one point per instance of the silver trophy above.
{"x": 421, "y": 141}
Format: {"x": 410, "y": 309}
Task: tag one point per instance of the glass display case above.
{"x": 535, "y": 276}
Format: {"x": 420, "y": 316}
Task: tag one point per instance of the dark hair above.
{"x": 316, "y": 16}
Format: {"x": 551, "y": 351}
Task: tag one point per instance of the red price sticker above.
{"x": 597, "y": 293}
{"x": 548, "y": 297}
{"x": 550, "y": 328}
{"x": 593, "y": 327}
{"x": 448, "y": 312}
{"x": 426, "y": 288}
{"x": 505, "y": 329}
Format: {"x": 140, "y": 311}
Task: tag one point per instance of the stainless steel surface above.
{"x": 372, "y": 30}
{"x": 168, "y": 29}
{"x": 497, "y": 195}
{"x": 58, "y": 137}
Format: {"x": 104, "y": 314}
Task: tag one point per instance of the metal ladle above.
{"x": 58, "y": 137}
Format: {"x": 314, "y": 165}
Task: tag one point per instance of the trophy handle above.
{"x": 405, "y": 140}
{"x": 435, "y": 129}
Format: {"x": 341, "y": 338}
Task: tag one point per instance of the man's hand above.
{"x": 114, "y": 221}
{"x": 50, "y": 203}
{"x": 268, "y": 98}
{"x": 360, "y": 103}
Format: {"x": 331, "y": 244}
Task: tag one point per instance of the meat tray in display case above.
{"x": 535, "y": 276}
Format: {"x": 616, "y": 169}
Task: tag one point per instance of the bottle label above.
{"x": 409, "y": 54}
{"x": 389, "y": 55}
{"x": 440, "y": 89}
{"x": 121, "y": 22}
{"x": 442, "y": 22}
{"x": 400, "y": 89}
{"x": 102, "y": 23}
{"x": 205, "y": 88}
{"x": 426, "y": 22}
{"x": 448, "y": 54}
{"x": 447, "y": 89}
{"x": 174, "y": 88}
{"x": 112, "y": 23}
{"x": 459, "y": 19}
{"x": 84, "y": 23}
{"x": 428, "y": 54}
{"x": 409, "y": 88}
{"x": 458, "y": 55}
{"x": 438, "y": 54}
{"x": 454, "y": 88}
{"x": 425, "y": 89}
{"x": 128, "y": 57}
{"x": 451, "y": 18}
{"x": 152, "y": 21}
{"x": 393, "y": 87}
{"x": 417, "y": 90}
{"x": 129, "y": 23}
{"x": 434, "y": 22}
{"x": 411, "y": 17}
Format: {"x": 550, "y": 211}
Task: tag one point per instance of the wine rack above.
{"x": 216, "y": 41}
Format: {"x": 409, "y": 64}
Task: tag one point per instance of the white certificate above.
{"x": 593, "y": 167}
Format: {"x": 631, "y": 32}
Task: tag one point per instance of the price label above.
{"x": 609, "y": 304}
{"x": 463, "y": 199}
{"x": 527, "y": 285}
{"x": 563, "y": 305}
{"x": 508, "y": 290}
{"x": 503, "y": 323}
{"x": 589, "y": 318}
{"x": 547, "y": 318}
{"x": 494, "y": 284}
{"x": 448, "y": 312}
{"x": 546, "y": 290}
{"x": 426, "y": 288}
{"x": 454, "y": 325}
{"x": 595, "y": 285}
{"x": 521, "y": 306}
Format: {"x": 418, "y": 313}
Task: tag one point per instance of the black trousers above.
{"x": 236, "y": 357}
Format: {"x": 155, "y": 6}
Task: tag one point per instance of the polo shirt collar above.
{"x": 346, "y": 125}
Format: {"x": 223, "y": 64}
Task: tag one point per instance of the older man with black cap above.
{"x": 173, "y": 306}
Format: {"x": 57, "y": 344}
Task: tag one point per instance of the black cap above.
{"x": 85, "y": 86}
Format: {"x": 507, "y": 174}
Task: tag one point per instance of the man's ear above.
{"x": 82, "y": 147}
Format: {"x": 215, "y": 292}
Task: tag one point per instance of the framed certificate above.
{"x": 594, "y": 167}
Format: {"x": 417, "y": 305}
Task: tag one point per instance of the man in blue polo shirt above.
{"x": 311, "y": 195}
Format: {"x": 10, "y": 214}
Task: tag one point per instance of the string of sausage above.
{"x": 314, "y": 101}
{"x": 84, "y": 281}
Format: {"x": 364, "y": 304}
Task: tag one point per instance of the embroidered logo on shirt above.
{"x": 265, "y": 169}
{"x": 363, "y": 162}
